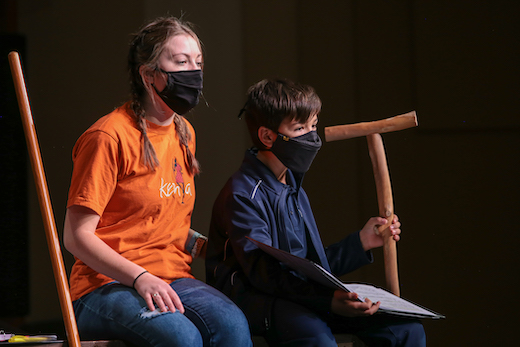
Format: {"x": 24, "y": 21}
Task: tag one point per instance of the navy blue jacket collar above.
{"x": 253, "y": 167}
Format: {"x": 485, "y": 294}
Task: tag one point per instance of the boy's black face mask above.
{"x": 297, "y": 153}
{"x": 182, "y": 90}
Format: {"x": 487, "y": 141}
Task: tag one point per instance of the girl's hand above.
{"x": 157, "y": 292}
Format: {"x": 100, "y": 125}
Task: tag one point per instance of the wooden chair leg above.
{"x": 53, "y": 242}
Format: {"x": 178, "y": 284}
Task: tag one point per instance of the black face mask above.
{"x": 182, "y": 90}
{"x": 297, "y": 153}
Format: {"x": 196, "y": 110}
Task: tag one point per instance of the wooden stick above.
{"x": 372, "y": 131}
{"x": 347, "y": 131}
{"x": 53, "y": 242}
{"x": 386, "y": 209}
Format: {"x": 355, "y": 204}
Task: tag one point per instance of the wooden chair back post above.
{"x": 373, "y": 131}
{"x": 53, "y": 242}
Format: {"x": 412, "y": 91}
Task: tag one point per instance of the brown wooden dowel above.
{"x": 348, "y": 131}
{"x": 376, "y": 150}
{"x": 53, "y": 242}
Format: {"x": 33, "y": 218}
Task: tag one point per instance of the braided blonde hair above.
{"x": 145, "y": 49}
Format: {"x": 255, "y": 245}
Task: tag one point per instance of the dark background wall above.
{"x": 454, "y": 176}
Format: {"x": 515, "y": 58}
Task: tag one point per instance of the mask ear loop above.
{"x": 242, "y": 111}
{"x": 166, "y": 81}
{"x": 204, "y": 98}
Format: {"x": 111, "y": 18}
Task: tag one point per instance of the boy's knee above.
{"x": 416, "y": 335}
{"x": 409, "y": 334}
{"x": 318, "y": 340}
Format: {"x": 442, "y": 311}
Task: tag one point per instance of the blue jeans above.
{"x": 115, "y": 311}
{"x": 295, "y": 325}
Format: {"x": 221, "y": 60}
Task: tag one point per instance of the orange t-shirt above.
{"x": 145, "y": 215}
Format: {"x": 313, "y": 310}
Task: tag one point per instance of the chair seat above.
{"x": 343, "y": 340}
{"x": 100, "y": 343}
{"x": 347, "y": 340}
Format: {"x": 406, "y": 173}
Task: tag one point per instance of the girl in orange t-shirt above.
{"x": 130, "y": 204}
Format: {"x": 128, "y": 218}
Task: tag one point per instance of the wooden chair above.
{"x": 100, "y": 343}
{"x": 53, "y": 242}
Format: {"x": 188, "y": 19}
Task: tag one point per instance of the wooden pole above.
{"x": 372, "y": 131}
{"x": 376, "y": 150}
{"x": 348, "y": 131}
{"x": 53, "y": 242}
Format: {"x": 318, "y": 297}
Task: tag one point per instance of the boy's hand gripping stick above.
{"x": 372, "y": 131}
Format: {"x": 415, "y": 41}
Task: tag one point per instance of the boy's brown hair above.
{"x": 271, "y": 101}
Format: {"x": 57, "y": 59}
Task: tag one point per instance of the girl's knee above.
{"x": 167, "y": 329}
{"x": 235, "y": 327}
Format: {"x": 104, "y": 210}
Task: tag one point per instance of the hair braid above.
{"x": 147, "y": 151}
{"x": 192, "y": 164}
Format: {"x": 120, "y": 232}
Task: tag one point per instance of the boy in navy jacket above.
{"x": 264, "y": 200}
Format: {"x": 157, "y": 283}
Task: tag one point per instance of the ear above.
{"x": 266, "y": 136}
{"x": 147, "y": 74}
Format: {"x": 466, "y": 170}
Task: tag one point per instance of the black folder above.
{"x": 390, "y": 303}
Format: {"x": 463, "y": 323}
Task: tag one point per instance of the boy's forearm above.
{"x": 347, "y": 255}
